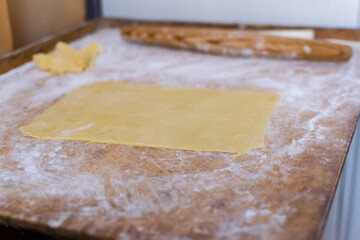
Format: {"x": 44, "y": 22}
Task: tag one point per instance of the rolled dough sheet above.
{"x": 66, "y": 59}
{"x": 158, "y": 116}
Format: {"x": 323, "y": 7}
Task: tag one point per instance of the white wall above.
{"x": 332, "y": 13}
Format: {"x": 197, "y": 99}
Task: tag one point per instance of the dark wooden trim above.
{"x": 351, "y": 34}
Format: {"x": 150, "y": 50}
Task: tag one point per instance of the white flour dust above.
{"x": 315, "y": 96}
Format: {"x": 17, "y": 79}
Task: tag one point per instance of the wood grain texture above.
{"x": 237, "y": 43}
{"x": 100, "y": 191}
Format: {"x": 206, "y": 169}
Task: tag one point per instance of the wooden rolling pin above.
{"x": 237, "y": 43}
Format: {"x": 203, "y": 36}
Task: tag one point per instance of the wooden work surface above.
{"x": 284, "y": 191}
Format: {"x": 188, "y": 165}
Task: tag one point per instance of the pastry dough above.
{"x": 66, "y": 59}
{"x": 158, "y": 116}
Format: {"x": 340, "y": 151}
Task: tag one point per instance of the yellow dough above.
{"x": 66, "y": 59}
{"x": 158, "y": 116}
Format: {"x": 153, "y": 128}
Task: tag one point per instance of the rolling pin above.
{"x": 237, "y": 43}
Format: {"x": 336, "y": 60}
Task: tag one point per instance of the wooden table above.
{"x": 284, "y": 191}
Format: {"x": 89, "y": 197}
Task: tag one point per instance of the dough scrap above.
{"x": 158, "y": 116}
{"x": 66, "y": 59}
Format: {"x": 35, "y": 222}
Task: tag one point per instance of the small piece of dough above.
{"x": 158, "y": 116}
{"x": 65, "y": 59}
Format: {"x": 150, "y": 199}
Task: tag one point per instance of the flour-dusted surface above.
{"x": 120, "y": 192}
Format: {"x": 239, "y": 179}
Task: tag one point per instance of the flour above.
{"x": 315, "y": 97}
{"x": 70, "y": 131}
{"x": 307, "y": 49}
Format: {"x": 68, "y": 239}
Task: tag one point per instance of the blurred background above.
{"x": 23, "y": 22}
{"x": 332, "y": 13}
